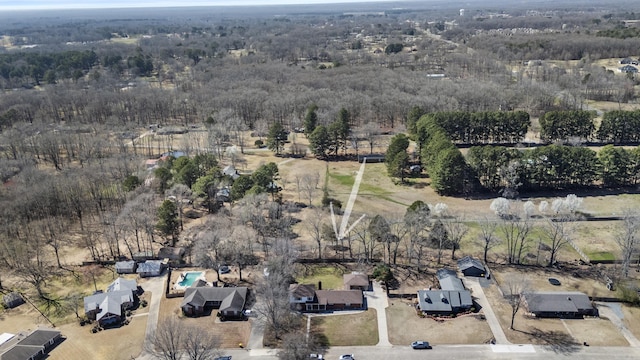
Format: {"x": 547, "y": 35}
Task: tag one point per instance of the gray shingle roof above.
{"x": 557, "y": 301}
{"x": 91, "y": 303}
{"x": 231, "y": 298}
{"x": 355, "y": 279}
{"x": 443, "y": 300}
{"x": 149, "y": 266}
{"x": 449, "y": 280}
{"x": 302, "y": 290}
{"x": 332, "y": 297}
{"x": 123, "y": 284}
{"x": 469, "y": 262}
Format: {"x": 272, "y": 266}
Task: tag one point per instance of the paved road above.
{"x": 377, "y": 299}
{"x": 462, "y": 352}
{"x": 492, "y": 319}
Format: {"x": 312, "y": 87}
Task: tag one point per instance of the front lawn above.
{"x": 348, "y": 330}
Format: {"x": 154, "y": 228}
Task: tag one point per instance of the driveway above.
{"x": 156, "y": 287}
{"x": 377, "y": 299}
{"x": 613, "y": 312}
{"x": 492, "y": 319}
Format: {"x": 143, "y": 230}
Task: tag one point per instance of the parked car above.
{"x": 554, "y": 281}
{"x": 420, "y": 345}
{"x": 249, "y": 313}
{"x": 347, "y": 357}
{"x": 224, "y": 269}
{"x": 223, "y": 358}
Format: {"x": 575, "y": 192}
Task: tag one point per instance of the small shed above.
{"x": 126, "y": 267}
{"x": 150, "y": 268}
{"x": 12, "y": 300}
{"x": 471, "y": 267}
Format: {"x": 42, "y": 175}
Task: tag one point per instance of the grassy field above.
{"x": 359, "y": 329}
{"x": 330, "y": 276}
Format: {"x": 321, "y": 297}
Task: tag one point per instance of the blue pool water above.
{"x": 189, "y": 278}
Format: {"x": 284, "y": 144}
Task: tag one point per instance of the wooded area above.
{"x": 486, "y": 103}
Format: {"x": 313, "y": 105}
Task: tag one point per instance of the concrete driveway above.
{"x": 377, "y": 299}
{"x": 156, "y": 287}
{"x": 474, "y": 285}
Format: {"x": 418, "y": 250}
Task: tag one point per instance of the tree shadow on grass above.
{"x": 556, "y": 341}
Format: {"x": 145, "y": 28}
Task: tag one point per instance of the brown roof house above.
{"x": 305, "y": 297}
{"x": 228, "y": 300}
{"x": 30, "y": 346}
{"x": 356, "y": 281}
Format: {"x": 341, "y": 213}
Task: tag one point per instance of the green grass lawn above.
{"x": 331, "y": 277}
{"x": 348, "y": 330}
{"x": 600, "y": 255}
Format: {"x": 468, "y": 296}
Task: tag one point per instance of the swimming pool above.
{"x": 188, "y": 278}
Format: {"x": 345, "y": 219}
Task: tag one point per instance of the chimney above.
{"x": 319, "y": 285}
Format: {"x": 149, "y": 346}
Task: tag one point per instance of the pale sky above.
{"x": 79, "y": 4}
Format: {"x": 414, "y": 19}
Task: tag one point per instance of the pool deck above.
{"x": 180, "y": 286}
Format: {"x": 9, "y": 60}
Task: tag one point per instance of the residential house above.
{"x": 449, "y": 280}
{"x": 626, "y": 61}
{"x": 126, "y": 267}
{"x": 30, "y": 346}
{"x": 12, "y": 300}
{"x": 107, "y": 308}
{"x": 444, "y": 302}
{"x": 150, "y": 268}
{"x": 628, "y": 69}
{"x": 231, "y": 172}
{"x": 302, "y": 297}
{"x": 305, "y": 297}
{"x": 559, "y": 304}
{"x": 356, "y": 281}
{"x": 471, "y": 267}
{"x": 228, "y": 300}
{"x": 452, "y": 297}
{"x": 340, "y": 299}
{"x": 122, "y": 284}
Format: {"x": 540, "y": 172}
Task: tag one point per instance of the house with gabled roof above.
{"x": 559, "y": 304}
{"x": 305, "y": 297}
{"x": 108, "y": 308}
{"x": 444, "y": 302}
{"x": 471, "y": 267}
{"x": 150, "y": 268}
{"x": 356, "y": 281}
{"x": 449, "y": 280}
{"x": 126, "y": 267}
{"x": 229, "y": 301}
{"x": 30, "y": 346}
{"x": 452, "y": 297}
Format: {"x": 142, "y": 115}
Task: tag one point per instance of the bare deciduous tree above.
{"x": 627, "y": 238}
{"x": 487, "y": 236}
{"x": 514, "y": 287}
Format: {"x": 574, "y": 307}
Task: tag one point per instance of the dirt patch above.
{"x": 466, "y": 329}
{"x": 122, "y": 343}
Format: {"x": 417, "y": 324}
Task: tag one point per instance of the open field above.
{"x": 406, "y": 326}
{"x": 359, "y": 329}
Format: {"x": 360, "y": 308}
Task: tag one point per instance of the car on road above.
{"x": 347, "y": 357}
{"x": 223, "y": 358}
{"x": 417, "y": 345}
